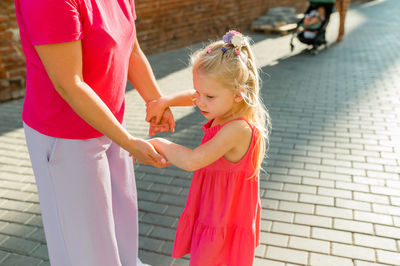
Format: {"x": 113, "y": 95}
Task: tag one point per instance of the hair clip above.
{"x": 235, "y": 38}
{"x": 208, "y": 50}
{"x": 223, "y": 48}
{"x": 237, "y": 51}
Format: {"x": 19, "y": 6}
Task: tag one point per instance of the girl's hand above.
{"x": 144, "y": 152}
{"x": 155, "y": 110}
{"x": 166, "y": 124}
{"x": 159, "y": 144}
{"x": 156, "y": 143}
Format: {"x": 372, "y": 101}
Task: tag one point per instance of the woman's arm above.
{"x": 142, "y": 78}
{"x": 63, "y": 63}
{"x": 230, "y": 137}
{"x": 155, "y": 107}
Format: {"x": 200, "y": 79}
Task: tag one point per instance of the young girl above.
{"x": 221, "y": 220}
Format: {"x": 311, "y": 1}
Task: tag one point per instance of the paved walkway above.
{"x": 332, "y": 192}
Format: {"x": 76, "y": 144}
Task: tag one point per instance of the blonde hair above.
{"x": 238, "y": 70}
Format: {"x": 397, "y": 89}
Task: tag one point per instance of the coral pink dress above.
{"x": 221, "y": 220}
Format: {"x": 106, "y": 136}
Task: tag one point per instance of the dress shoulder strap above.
{"x": 239, "y": 118}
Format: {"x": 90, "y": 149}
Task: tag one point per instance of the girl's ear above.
{"x": 239, "y": 95}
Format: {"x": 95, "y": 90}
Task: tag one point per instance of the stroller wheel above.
{"x": 314, "y": 51}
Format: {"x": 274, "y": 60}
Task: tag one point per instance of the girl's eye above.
{"x": 210, "y": 97}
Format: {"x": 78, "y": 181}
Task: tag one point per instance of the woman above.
{"x": 342, "y": 6}
{"x": 79, "y": 55}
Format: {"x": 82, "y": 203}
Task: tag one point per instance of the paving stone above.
{"x": 375, "y": 242}
{"x": 395, "y": 200}
{"x": 154, "y": 258}
{"x": 17, "y": 230}
{"x": 373, "y": 198}
{"x": 386, "y": 209}
{"x": 334, "y": 212}
{"x": 14, "y": 216}
{"x": 373, "y": 217}
{"x": 269, "y": 204}
{"x": 271, "y": 185}
{"x": 171, "y": 199}
{"x": 163, "y": 233}
{"x": 300, "y": 188}
{"x": 150, "y": 244}
{"x": 35, "y": 220}
{"x": 396, "y": 221}
{"x": 290, "y": 229}
{"x": 327, "y": 260}
{"x": 289, "y": 255}
{"x": 3, "y": 255}
{"x": 308, "y": 198}
{"x": 308, "y": 244}
{"x": 335, "y": 176}
{"x": 158, "y": 219}
{"x": 281, "y": 195}
{"x": 260, "y": 251}
{"x": 296, "y": 207}
{"x": 382, "y": 175}
{"x": 352, "y": 226}
{"x": 286, "y": 178}
{"x": 19, "y": 245}
{"x": 15, "y": 205}
{"x": 306, "y": 173}
{"x": 41, "y": 252}
{"x": 352, "y": 186}
{"x": 38, "y": 235}
{"x": 165, "y": 188}
{"x": 331, "y": 235}
{"x": 388, "y": 231}
{"x": 367, "y": 263}
{"x": 392, "y": 258}
{"x": 353, "y": 204}
{"x": 266, "y": 225}
{"x": 318, "y": 182}
{"x": 145, "y": 229}
{"x": 353, "y": 251}
{"x": 263, "y": 262}
{"x": 151, "y": 206}
{"x": 17, "y": 260}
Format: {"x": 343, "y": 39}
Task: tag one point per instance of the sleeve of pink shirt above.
{"x": 52, "y": 21}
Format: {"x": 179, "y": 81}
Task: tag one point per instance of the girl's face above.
{"x": 213, "y": 99}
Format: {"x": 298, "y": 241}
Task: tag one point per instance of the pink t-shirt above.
{"x": 107, "y": 31}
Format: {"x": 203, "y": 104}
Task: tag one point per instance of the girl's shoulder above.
{"x": 239, "y": 125}
{"x": 240, "y": 132}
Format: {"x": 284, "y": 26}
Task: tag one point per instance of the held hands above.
{"x": 145, "y": 153}
{"x": 158, "y": 144}
{"x": 155, "y": 110}
{"x": 160, "y": 117}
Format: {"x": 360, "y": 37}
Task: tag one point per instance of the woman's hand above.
{"x": 144, "y": 152}
{"x": 167, "y": 123}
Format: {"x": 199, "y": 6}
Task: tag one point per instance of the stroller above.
{"x": 314, "y": 35}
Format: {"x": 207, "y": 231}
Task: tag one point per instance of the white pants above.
{"x": 88, "y": 200}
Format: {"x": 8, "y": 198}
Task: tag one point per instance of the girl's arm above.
{"x": 229, "y": 139}
{"x": 63, "y": 63}
{"x": 155, "y": 107}
{"x": 142, "y": 78}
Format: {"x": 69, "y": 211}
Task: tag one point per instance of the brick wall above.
{"x": 166, "y": 24}
{"x": 12, "y": 61}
